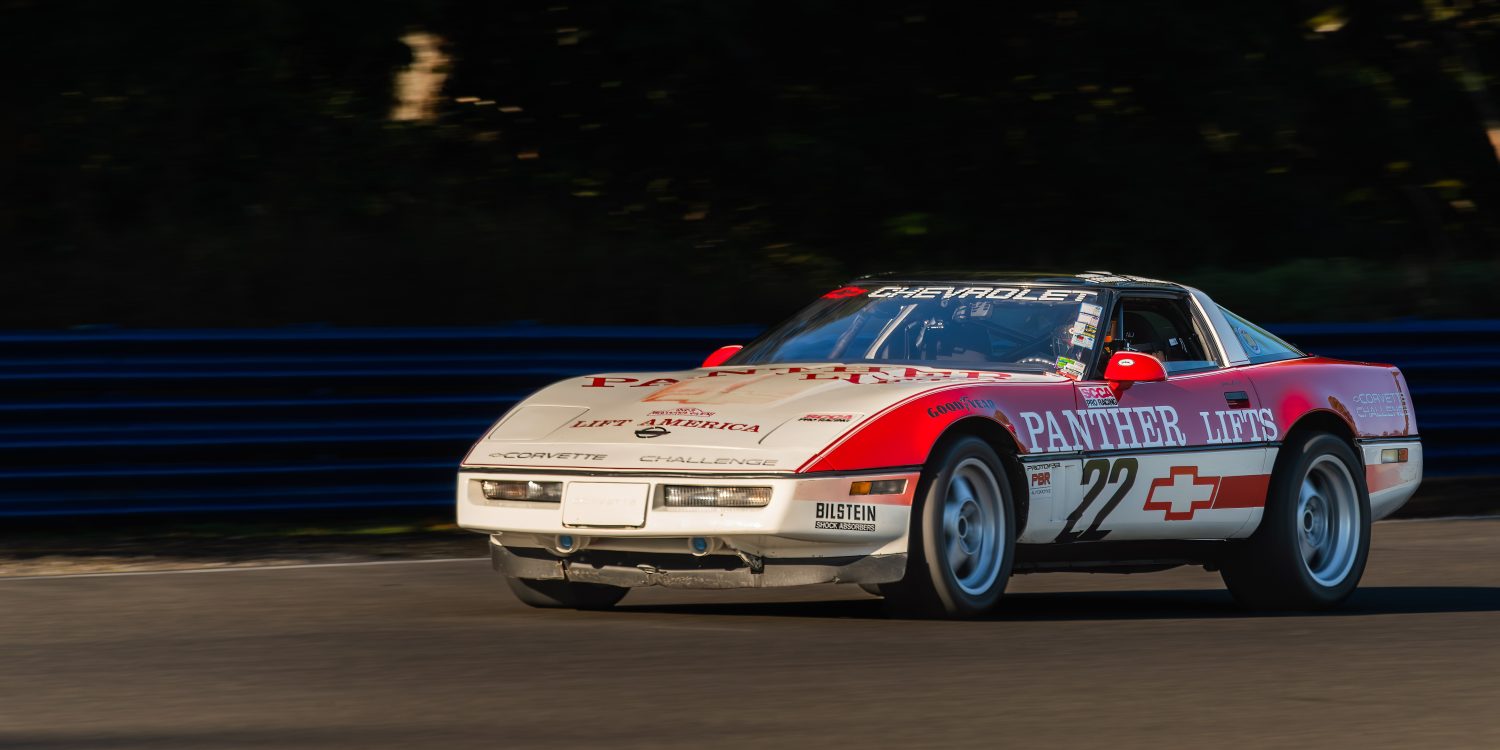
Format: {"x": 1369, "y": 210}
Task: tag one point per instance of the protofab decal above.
{"x": 826, "y": 418}
{"x": 1018, "y": 294}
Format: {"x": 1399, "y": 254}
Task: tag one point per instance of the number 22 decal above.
{"x": 1097, "y": 473}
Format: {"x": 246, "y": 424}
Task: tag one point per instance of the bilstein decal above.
{"x": 844, "y": 517}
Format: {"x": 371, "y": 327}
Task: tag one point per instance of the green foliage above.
{"x": 673, "y": 161}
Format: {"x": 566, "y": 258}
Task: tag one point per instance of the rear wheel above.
{"x": 1311, "y": 547}
{"x": 566, "y": 594}
{"x": 962, "y": 542}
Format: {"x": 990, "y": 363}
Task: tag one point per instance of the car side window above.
{"x": 1162, "y": 327}
{"x": 1260, "y": 345}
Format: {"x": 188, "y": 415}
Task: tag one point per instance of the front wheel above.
{"x": 1311, "y": 547}
{"x": 566, "y": 594}
{"x": 962, "y": 542}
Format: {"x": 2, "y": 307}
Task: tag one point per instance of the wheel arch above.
{"x": 1005, "y": 446}
{"x": 1316, "y": 421}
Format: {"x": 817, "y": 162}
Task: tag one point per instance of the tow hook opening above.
{"x": 700, "y": 546}
{"x": 567, "y": 544}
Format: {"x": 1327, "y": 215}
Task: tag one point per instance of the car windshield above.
{"x": 988, "y": 326}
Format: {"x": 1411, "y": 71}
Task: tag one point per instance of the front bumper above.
{"x": 630, "y": 569}
{"x": 811, "y": 531}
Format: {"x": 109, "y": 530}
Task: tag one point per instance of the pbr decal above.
{"x": 1039, "y": 479}
{"x": 1097, "y": 396}
{"x": 1018, "y": 294}
{"x": 826, "y": 418}
{"x": 652, "y": 432}
{"x": 844, "y": 517}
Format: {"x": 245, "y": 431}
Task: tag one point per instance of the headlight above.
{"x": 689, "y": 496}
{"x": 500, "y": 489}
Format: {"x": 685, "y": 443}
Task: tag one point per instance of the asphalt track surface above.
{"x": 438, "y": 654}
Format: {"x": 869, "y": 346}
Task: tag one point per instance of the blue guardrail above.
{"x": 116, "y": 421}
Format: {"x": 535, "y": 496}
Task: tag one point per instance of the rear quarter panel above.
{"x": 1373, "y": 400}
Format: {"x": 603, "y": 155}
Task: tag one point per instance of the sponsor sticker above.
{"x": 826, "y": 418}
{"x": 844, "y": 292}
{"x": 554, "y": 456}
{"x": 1391, "y": 404}
{"x": 1083, "y": 329}
{"x": 844, "y": 517}
{"x": 1040, "y": 481}
{"x": 1018, "y": 294}
{"x": 1070, "y": 368}
{"x": 961, "y": 405}
{"x": 1090, "y": 309}
{"x": 1088, "y": 318}
{"x": 1097, "y": 396}
{"x": 1086, "y": 342}
{"x": 681, "y": 411}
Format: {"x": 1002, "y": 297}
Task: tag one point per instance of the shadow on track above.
{"x": 1125, "y": 605}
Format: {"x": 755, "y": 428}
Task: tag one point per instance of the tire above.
{"x": 962, "y": 542}
{"x": 1310, "y": 549}
{"x": 566, "y": 594}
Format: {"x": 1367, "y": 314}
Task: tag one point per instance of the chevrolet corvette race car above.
{"x": 928, "y": 435}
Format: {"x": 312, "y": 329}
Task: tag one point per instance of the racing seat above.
{"x": 1139, "y": 333}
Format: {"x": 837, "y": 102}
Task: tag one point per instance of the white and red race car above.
{"x": 927, "y": 435}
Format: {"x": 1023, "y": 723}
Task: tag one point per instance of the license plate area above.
{"x": 616, "y": 504}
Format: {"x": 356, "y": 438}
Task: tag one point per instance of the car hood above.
{"x": 747, "y": 419}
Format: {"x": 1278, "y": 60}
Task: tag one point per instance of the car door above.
{"x": 1183, "y": 458}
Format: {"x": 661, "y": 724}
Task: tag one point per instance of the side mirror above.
{"x": 1127, "y": 368}
{"x": 721, "y": 354}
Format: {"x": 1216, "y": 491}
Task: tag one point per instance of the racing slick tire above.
{"x": 566, "y": 594}
{"x": 1310, "y": 549}
{"x": 963, "y": 537}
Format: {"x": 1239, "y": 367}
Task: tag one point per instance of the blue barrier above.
{"x": 115, "y": 421}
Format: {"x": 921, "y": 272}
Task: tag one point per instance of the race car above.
{"x": 926, "y": 436}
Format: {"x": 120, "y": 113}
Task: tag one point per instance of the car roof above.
{"x": 1031, "y": 278}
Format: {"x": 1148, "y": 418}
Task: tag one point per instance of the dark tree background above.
{"x": 666, "y": 161}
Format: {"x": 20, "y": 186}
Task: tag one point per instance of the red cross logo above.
{"x": 1182, "y": 493}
